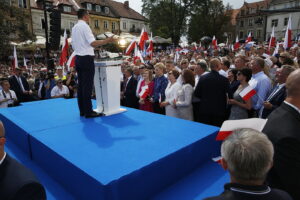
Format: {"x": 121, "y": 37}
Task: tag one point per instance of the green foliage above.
{"x": 196, "y": 18}
{"x": 210, "y": 17}
{"x": 13, "y": 27}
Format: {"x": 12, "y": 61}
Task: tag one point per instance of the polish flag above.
{"x": 217, "y": 159}
{"x": 288, "y": 35}
{"x": 150, "y": 48}
{"x": 143, "y": 38}
{"x": 276, "y": 50}
{"x": 24, "y": 62}
{"x": 131, "y": 47}
{"x": 15, "y": 59}
{"x": 137, "y": 55}
{"x": 247, "y": 93}
{"x": 64, "y": 50}
{"x": 144, "y": 92}
{"x": 214, "y": 43}
{"x": 230, "y": 125}
{"x": 272, "y": 42}
{"x": 237, "y": 43}
{"x": 249, "y": 38}
{"x": 71, "y": 61}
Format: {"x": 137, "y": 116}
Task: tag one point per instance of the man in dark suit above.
{"x": 129, "y": 98}
{"x": 283, "y": 129}
{"x": 212, "y": 91}
{"x": 278, "y": 93}
{"x": 16, "y": 181}
{"x": 20, "y": 86}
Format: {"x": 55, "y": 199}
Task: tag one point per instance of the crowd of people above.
{"x": 203, "y": 86}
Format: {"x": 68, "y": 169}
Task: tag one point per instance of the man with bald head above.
{"x": 16, "y": 181}
{"x": 212, "y": 91}
{"x": 283, "y": 129}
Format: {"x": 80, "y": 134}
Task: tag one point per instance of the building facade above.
{"x": 278, "y": 16}
{"x": 251, "y": 19}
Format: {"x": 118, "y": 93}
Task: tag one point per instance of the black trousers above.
{"x": 157, "y": 109}
{"x": 86, "y": 70}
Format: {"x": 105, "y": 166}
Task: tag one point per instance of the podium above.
{"x": 107, "y": 86}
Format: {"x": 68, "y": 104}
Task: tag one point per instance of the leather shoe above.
{"x": 81, "y": 114}
{"x": 94, "y": 114}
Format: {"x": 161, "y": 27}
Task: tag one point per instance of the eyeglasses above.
{"x": 59, "y": 82}
{"x": 170, "y": 73}
{"x": 239, "y": 73}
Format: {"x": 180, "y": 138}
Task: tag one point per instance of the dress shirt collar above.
{"x": 257, "y": 74}
{"x": 293, "y": 106}
{"x": 248, "y": 189}
{"x": 1, "y": 161}
{"x": 81, "y": 21}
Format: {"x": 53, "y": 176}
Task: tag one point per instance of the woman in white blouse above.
{"x": 183, "y": 101}
{"x": 171, "y": 94}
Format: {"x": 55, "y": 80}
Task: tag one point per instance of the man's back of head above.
{"x": 293, "y": 85}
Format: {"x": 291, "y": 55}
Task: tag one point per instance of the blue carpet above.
{"x": 132, "y": 155}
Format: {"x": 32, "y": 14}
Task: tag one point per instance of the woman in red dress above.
{"x": 146, "y": 91}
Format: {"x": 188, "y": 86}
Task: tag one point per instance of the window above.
{"x": 274, "y": 22}
{"x": 124, "y": 25}
{"x": 242, "y": 12}
{"x": 106, "y": 10}
{"x": 67, "y": 9}
{"x": 113, "y": 26}
{"x": 258, "y": 33}
{"x": 250, "y": 22}
{"x": 89, "y": 6}
{"x": 286, "y": 21}
{"x": 98, "y": 8}
{"x": 8, "y": 2}
{"x": 96, "y": 24}
{"x": 42, "y": 23}
{"x": 105, "y": 24}
{"x": 22, "y": 4}
{"x": 242, "y": 23}
{"x": 241, "y": 34}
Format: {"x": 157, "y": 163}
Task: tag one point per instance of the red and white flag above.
{"x": 249, "y": 38}
{"x": 15, "y": 59}
{"x": 237, "y": 43}
{"x": 288, "y": 35}
{"x": 276, "y": 50}
{"x": 64, "y": 50}
{"x": 217, "y": 159}
{"x": 214, "y": 42}
{"x": 230, "y": 125}
{"x": 137, "y": 55}
{"x": 71, "y": 61}
{"x": 272, "y": 42}
{"x": 247, "y": 93}
{"x": 150, "y": 47}
{"x": 144, "y": 92}
{"x": 143, "y": 38}
{"x": 131, "y": 47}
{"x": 24, "y": 62}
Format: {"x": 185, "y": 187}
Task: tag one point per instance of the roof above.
{"x": 258, "y": 4}
{"x": 125, "y": 12}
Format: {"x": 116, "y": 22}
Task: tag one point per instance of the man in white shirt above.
{"x": 59, "y": 90}
{"x": 83, "y": 43}
{"x": 8, "y": 97}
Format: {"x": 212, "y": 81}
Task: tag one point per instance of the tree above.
{"x": 13, "y": 27}
{"x": 209, "y": 17}
{"x": 168, "y": 18}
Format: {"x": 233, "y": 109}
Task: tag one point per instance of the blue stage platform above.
{"x": 132, "y": 155}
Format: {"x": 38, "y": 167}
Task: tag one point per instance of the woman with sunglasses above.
{"x": 239, "y": 107}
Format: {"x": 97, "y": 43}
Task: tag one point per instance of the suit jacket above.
{"x": 19, "y": 183}
{"x": 130, "y": 99}
{"x": 212, "y": 90}
{"x": 283, "y": 129}
{"x": 276, "y": 101}
{"x": 15, "y": 86}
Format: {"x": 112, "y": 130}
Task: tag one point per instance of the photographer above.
{"x": 60, "y": 90}
{"x": 71, "y": 82}
{"x": 8, "y": 97}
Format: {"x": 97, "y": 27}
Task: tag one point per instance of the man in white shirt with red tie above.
{"x": 83, "y": 43}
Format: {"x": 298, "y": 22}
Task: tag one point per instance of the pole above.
{"x": 46, "y": 34}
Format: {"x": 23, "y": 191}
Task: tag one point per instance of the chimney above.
{"x": 126, "y": 4}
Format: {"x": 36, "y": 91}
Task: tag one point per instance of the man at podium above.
{"x": 83, "y": 43}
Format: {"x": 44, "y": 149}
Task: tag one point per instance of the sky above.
{"x": 137, "y": 4}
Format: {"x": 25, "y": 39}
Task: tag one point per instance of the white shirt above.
{"x": 82, "y": 37}
{"x": 11, "y": 95}
{"x": 1, "y": 161}
{"x": 223, "y": 73}
{"x": 56, "y": 91}
{"x": 293, "y": 106}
